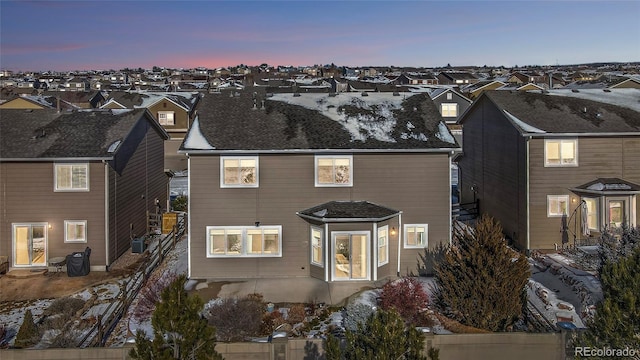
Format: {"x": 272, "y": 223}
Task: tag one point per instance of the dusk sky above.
{"x": 82, "y": 35}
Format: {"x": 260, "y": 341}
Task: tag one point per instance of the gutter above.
{"x": 399, "y": 240}
{"x": 73, "y": 159}
{"x": 346, "y": 220}
{"x": 607, "y": 134}
{"x": 316, "y": 151}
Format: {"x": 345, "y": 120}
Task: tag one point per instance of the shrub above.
{"x": 406, "y": 296}
{"x": 237, "y": 319}
{"x": 66, "y": 339}
{"x": 28, "y": 335}
{"x": 67, "y": 306}
{"x": 297, "y": 314}
{"x": 270, "y": 321}
{"x": 356, "y": 313}
{"x": 180, "y": 203}
{"x": 150, "y": 295}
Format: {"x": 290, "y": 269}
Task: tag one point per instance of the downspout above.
{"x": 375, "y": 251}
{"x": 450, "y": 205}
{"x": 106, "y": 214}
{"x": 399, "y": 240}
{"x": 527, "y": 214}
{"x": 327, "y": 258}
{"x": 189, "y": 222}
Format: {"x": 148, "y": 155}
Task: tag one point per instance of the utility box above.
{"x": 138, "y": 245}
{"x": 169, "y": 220}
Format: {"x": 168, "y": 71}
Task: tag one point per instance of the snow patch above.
{"x": 195, "y": 140}
{"x": 523, "y": 125}
{"x": 444, "y": 134}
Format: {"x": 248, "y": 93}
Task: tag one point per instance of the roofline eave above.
{"x": 347, "y": 220}
{"x": 588, "y": 134}
{"x": 54, "y": 159}
{"x": 314, "y": 151}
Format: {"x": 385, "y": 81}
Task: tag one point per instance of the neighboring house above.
{"x": 532, "y": 159}
{"x": 27, "y": 102}
{"x": 76, "y": 180}
{"x": 451, "y": 104}
{"x": 77, "y": 84}
{"x": 416, "y": 79}
{"x": 339, "y": 187}
{"x": 174, "y": 111}
{"x": 629, "y": 83}
{"x": 458, "y": 78}
{"x": 473, "y": 91}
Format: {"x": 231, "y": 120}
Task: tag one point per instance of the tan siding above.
{"x": 417, "y": 184}
{"x": 19, "y": 103}
{"x": 597, "y": 157}
{"x": 181, "y": 117}
{"x": 28, "y": 196}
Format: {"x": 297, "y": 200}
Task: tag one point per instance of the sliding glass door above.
{"x": 30, "y": 244}
{"x": 350, "y": 255}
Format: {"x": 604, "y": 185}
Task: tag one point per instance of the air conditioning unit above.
{"x": 138, "y": 245}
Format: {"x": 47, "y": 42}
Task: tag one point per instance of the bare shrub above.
{"x": 149, "y": 296}
{"x": 66, "y": 339}
{"x": 237, "y": 319}
{"x": 406, "y": 295}
{"x": 297, "y": 314}
{"x": 67, "y": 306}
{"x": 271, "y": 321}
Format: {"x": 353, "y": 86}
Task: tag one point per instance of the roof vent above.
{"x": 574, "y": 90}
{"x": 364, "y": 93}
{"x": 297, "y": 94}
{"x": 584, "y": 110}
{"x": 395, "y": 93}
{"x": 333, "y": 94}
{"x": 269, "y": 94}
{"x": 606, "y": 90}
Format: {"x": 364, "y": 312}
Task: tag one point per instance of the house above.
{"x": 458, "y": 78}
{"x": 75, "y": 180}
{"x": 175, "y": 111}
{"x": 473, "y": 91}
{"x": 77, "y": 84}
{"x": 27, "y": 102}
{"x": 554, "y": 167}
{"x": 338, "y": 187}
{"x": 451, "y": 103}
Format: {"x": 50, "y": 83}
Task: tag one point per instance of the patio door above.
{"x": 30, "y": 244}
{"x": 350, "y": 260}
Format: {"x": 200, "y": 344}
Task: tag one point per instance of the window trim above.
{"x": 244, "y": 241}
{"x": 333, "y": 157}
{"x": 57, "y": 166}
{"x": 386, "y": 245}
{"x": 558, "y": 197}
{"x": 173, "y": 118}
{"x": 448, "y": 105}
{"x": 561, "y": 141}
{"x": 320, "y": 246}
{"x": 76, "y": 222}
{"x": 405, "y": 233}
{"x": 596, "y": 212}
{"x": 240, "y": 158}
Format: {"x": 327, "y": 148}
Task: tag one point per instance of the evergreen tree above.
{"x": 383, "y": 336}
{"x": 616, "y": 323}
{"x": 178, "y": 329}
{"x": 481, "y": 280}
{"x": 28, "y": 335}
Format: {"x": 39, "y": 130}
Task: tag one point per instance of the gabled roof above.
{"x": 594, "y": 112}
{"x": 47, "y": 135}
{"x": 251, "y": 121}
{"x": 437, "y": 92}
{"x": 348, "y": 211}
{"x": 608, "y": 186}
{"x": 134, "y": 100}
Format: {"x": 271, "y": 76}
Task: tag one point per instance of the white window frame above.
{"x": 449, "y": 96}
{"x": 333, "y": 157}
{"x": 60, "y": 166}
{"x": 560, "y": 142}
{"x": 240, "y": 159}
{"x": 244, "y": 241}
{"x": 406, "y": 233}
{"x": 559, "y": 199}
{"x": 445, "y": 109}
{"x": 595, "y": 212}
{"x": 165, "y": 121}
{"x": 319, "y": 246}
{"x": 369, "y": 260}
{"x": 75, "y": 223}
{"x": 383, "y": 246}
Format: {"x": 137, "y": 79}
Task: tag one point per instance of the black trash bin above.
{"x": 78, "y": 263}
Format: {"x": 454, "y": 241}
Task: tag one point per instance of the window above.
{"x": 75, "y": 231}
{"x": 561, "y": 152}
{"x": 239, "y": 172}
{"x": 334, "y": 171}
{"x": 316, "y": 246}
{"x": 71, "y": 177}
{"x": 383, "y": 245}
{"x": 449, "y": 96}
{"x": 557, "y": 205}
{"x": 449, "y": 110}
{"x": 166, "y": 118}
{"x": 592, "y": 213}
{"x": 415, "y": 236}
{"x": 244, "y": 241}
